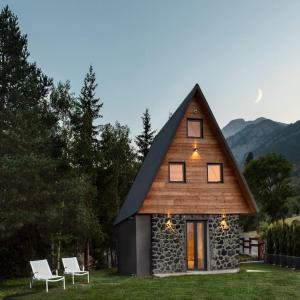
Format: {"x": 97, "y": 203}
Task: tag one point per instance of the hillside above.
{"x": 264, "y": 136}
{"x": 287, "y": 142}
{"x": 252, "y": 137}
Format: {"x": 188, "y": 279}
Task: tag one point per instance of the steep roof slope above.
{"x": 152, "y": 162}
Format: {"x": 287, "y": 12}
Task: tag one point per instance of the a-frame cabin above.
{"x": 182, "y": 211}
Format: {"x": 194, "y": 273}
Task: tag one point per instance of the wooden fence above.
{"x": 254, "y": 247}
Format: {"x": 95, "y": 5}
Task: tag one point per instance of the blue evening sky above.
{"x": 151, "y": 53}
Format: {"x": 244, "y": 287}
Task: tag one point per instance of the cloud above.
{"x": 259, "y": 96}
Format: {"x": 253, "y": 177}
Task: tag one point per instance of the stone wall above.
{"x": 224, "y": 245}
{"x": 169, "y": 246}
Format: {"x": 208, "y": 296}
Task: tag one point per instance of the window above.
{"x": 195, "y": 128}
{"x": 215, "y": 173}
{"x": 176, "y": 172}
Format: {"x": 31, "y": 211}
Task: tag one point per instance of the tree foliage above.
{"x": 283, "y": 239}
{"x": 269, "y": 180}
{"x": 145, "y": 139}
{"x": 118, "y": 166}
{"x": 249, "y": 158}
{"x": 62, "y": 181}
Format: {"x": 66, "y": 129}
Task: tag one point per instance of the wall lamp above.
{"x": 169, "y": 224}
{"x": 223, "y": 224}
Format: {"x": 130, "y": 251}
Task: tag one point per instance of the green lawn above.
{"x": 280, "y": 283}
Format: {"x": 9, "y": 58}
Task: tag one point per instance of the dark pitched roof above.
{"x": 159, "y": 148}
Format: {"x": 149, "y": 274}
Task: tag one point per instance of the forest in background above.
{"x": 62, "y": 177}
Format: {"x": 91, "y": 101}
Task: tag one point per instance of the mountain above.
{"x": 286, "y": 142}
{"x": 252, "y": 137}
{"x": 237, "y": 125}
{"x": 263, "y": 136}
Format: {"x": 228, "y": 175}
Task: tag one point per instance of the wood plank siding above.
{"x": 196, "y": 196}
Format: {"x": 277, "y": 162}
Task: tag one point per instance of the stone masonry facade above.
{"x": 169, "y": 245}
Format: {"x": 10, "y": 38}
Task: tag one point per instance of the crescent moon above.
{"x": 259, "y": 96}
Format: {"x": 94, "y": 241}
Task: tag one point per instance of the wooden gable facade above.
{"x": 196, "y": 195}
{"x": 152, "y": 193}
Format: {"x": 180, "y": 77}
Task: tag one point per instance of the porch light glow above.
{"x": 223, "y": 223}
{"x": 195, "y": 149}
{"x": 169, "y": 224}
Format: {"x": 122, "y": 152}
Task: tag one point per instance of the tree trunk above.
{"x": 108, "y": 258}
{"x": 52, "y": 252}
{"x": 58, "y": 252}
{"x": 111, "y": 258}
{"x": 87, "y": 254}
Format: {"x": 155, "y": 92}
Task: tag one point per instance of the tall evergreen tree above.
{"x": 86, "y": 133}
{"x": 145, "y": 139}
{"x": 85, "y": 149}
{"x": 118, "y": 166}
{"x": 27, "y": 139}
{"x": 249, "y": 158}
{"x": 23, "y": 90}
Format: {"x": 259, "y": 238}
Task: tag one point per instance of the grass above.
{"x": 280, "y": 283}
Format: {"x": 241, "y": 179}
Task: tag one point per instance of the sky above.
{"x": 245, "y": 55}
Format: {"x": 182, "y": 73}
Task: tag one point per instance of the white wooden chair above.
{"x": 41, "y": 271}
{"x": 71, "y": 267}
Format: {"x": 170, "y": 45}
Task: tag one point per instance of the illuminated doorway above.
{"x": 196, "y": 245}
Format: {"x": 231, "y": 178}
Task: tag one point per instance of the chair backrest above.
{"x": 40, "y": 269}
{"x": 71, "y": 264}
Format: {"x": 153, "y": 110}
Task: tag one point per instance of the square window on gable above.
{"x": 176, "y": 172}
{"x": 195, "y": 128}
{"x": 215, "y": 173}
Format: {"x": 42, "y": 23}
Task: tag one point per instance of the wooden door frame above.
{"x": 194, "y": 222}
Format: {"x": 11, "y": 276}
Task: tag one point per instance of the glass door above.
{"x": 196, "y": 245}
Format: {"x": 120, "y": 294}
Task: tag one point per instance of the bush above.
{"x": 283, "y": 239}
{"x": 289, "y": 240}
{"x": 283, "y": 233}
{"x": 270, "y": 241}
{"x": 276, "y": 239}
{"x": 296, "y": 241}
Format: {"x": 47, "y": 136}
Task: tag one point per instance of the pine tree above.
{"x": 86, "y": 144}
{"x": 23, "y": 90}
{"x": 27, "y": 139}
{"x": 249, "y": 158}
{"x": 85, "y": 131}
{"x": 145, "y": 139}
{"x": 115, "y": 176}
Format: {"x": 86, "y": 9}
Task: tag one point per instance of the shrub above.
{"x": 283, "y": 239}
{"x": 296, "y": 240}
{"x": 270, "y": 241}
{"x": 289, "y": 240}
{"x": 276, "y": 238}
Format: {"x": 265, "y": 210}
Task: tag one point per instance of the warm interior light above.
{"x": 223, "y": 223}
{"x": 214, "y": 173}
